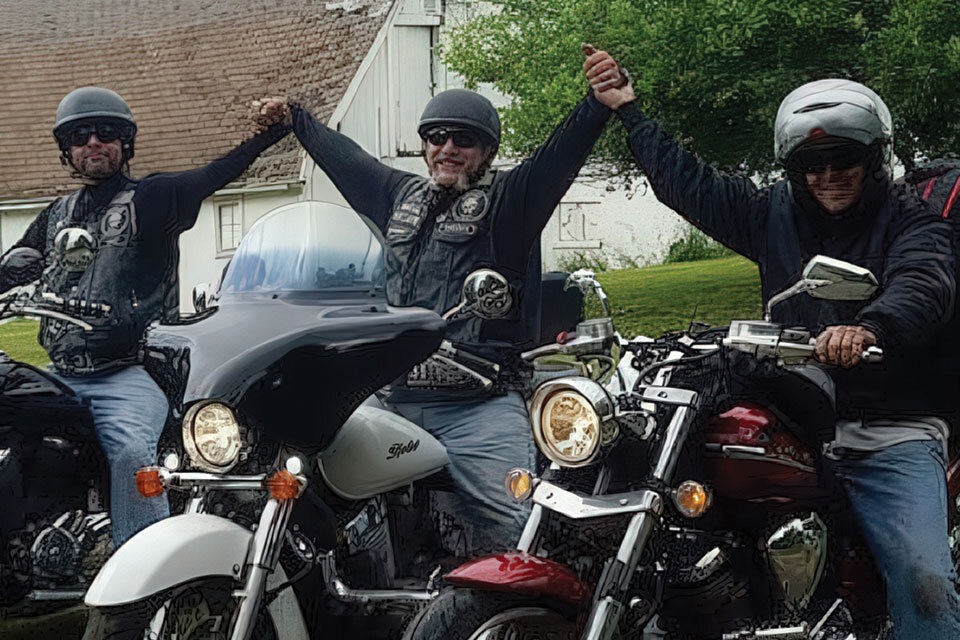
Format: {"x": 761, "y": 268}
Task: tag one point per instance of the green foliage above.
{"x": 652, "y": 300}
{"x": 576, "y": 260}
{"x": 714, "y": 71}
{"x": 18, "y": 338}
{"x": 694, "y": 244}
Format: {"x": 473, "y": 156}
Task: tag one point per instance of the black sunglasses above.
{"x": 461, "y": 137}
{"x": 106, "y": 132}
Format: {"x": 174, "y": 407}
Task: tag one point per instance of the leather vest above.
{"x": 435, "y": 238}
{"x": 94, "y": 274}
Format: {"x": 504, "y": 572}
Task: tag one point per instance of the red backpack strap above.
{"x": 929, "y": 188}
{"x": 954, "y": 192}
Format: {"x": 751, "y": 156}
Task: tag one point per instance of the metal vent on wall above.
{"x": 431, "y": 6}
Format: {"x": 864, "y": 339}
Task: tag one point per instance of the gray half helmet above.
{"x": 88, "y": 103}
{"x": 461, "y": 107}
{"x": 833, "y": 107}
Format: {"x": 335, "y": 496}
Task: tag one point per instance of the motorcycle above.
{"x": 305, "y": 501}
{"x": 55, "y": 529}
{"x": 683, "y": 498}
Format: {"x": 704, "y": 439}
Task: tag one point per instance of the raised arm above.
{"x": 367, "y": 184}
{"x": 189, "y": 188}
{"x": 547, "y": 174}
{"x": 730, "y": 209}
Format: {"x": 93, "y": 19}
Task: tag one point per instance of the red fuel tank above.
{"x": 751, "y": 456}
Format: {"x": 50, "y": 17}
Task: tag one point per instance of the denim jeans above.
{"x": 899, "y": 496}
{"x": 129, "y": 411}
{"x": 485, "y": 438}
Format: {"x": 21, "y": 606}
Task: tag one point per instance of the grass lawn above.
{"x": 18, "y": 338}
{"x": 644, "y": 301}
{"x": 665, "y": 297}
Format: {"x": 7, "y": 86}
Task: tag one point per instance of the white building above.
{"x": 189, "y": 69}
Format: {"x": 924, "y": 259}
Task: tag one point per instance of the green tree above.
{"x": 714, "y": 71}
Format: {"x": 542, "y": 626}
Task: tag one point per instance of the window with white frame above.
{"x": 229, "y": 217}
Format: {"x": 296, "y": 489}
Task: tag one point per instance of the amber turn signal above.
{"x": 148, "y": 482}
{"x": 519, "y": 484}
{"x": 283, "y": 485}
{"x": 692, "y": 498}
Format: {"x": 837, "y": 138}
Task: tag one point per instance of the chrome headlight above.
{"x": 570, "y": 417}
{"x": 211, "y": 437}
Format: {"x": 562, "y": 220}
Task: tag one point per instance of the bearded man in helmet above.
{"x": 834, "y": 138}
{"x": 440, "y": 228}
{"x": 129, "y": 267}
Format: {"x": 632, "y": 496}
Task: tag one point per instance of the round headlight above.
{"x": 211, "y": 436}
{"x": 570, "y": 426}
{"x": 571, "y": 418}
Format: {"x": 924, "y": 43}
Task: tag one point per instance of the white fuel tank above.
{"x": 377, "y": 450}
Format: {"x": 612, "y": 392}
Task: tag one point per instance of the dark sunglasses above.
{"x": 461, "y": 137}
{"x": 816, "y": 159}
{"x": 106, "y": 132}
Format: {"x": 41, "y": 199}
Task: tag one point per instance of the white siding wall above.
{"x": 13, "y": 224}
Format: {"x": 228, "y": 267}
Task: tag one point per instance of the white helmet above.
{"x": 833, "y": 107}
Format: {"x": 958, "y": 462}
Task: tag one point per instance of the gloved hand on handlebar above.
{"x": 20, "y": 266}
{"x": 843, "y": 345}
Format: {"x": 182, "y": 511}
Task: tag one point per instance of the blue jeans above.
{"x": 899, "y": 496}
{"x": 485, "y": 438}
{"x": 129, "y": 411}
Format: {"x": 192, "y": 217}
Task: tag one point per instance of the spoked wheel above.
{"x": 198, "y": 611}
{"x": 463, "y": 614}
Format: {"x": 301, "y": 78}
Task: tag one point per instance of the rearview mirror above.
{"x": 845, "y": 281}
{"x": 829, "y": 279}
{"x": 200, "y": 298}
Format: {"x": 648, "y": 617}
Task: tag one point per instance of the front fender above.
{"x": 521, "y": 573}
{"x": 169, "y": 553}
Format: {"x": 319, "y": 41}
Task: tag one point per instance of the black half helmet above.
{"x": 94, "y": 103}
{"x": 464, "y": 108}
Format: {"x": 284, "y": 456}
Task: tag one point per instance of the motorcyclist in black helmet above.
{"x": 440, "y": 228}
{"x": 834, "y": 138}
{"x": 129, "y": 266}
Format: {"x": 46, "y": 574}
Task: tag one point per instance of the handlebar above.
{"x": 23, "y": 302}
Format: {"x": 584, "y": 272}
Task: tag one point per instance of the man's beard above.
{"x": 96, "y": 174}
{"x": 465, "y": 179}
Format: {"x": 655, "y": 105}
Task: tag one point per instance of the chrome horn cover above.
{"x": 797, "y": 554}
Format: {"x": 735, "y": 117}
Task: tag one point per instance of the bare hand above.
{"x": 269, "y": 111}
{"x": 843, "y": 345}
{"x": 610, "y": 86}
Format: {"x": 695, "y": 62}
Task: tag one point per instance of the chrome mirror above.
{"x": 829, "y": 279}
{"x": 586, "y": 281}
{"x": 485, "y": 294}
{"x": 75, "y": 248}
{"x": 845, "y": 281}
{"x": 200, "y": 298}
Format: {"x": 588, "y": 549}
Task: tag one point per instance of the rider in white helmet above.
{"x": 834, "y": 139}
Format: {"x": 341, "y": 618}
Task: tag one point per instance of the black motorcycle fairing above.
{"x": 32, "y": 400}
{"x": 301, "y": 363}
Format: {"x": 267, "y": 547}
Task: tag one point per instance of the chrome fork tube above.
{"x": 673, "y": 439}
{"x": 263, "y": 556}
{"x": 615, "y": 580}
{"x": 530, "y": 530}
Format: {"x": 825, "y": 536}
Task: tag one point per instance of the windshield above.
{"x": 307, "y": 246}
